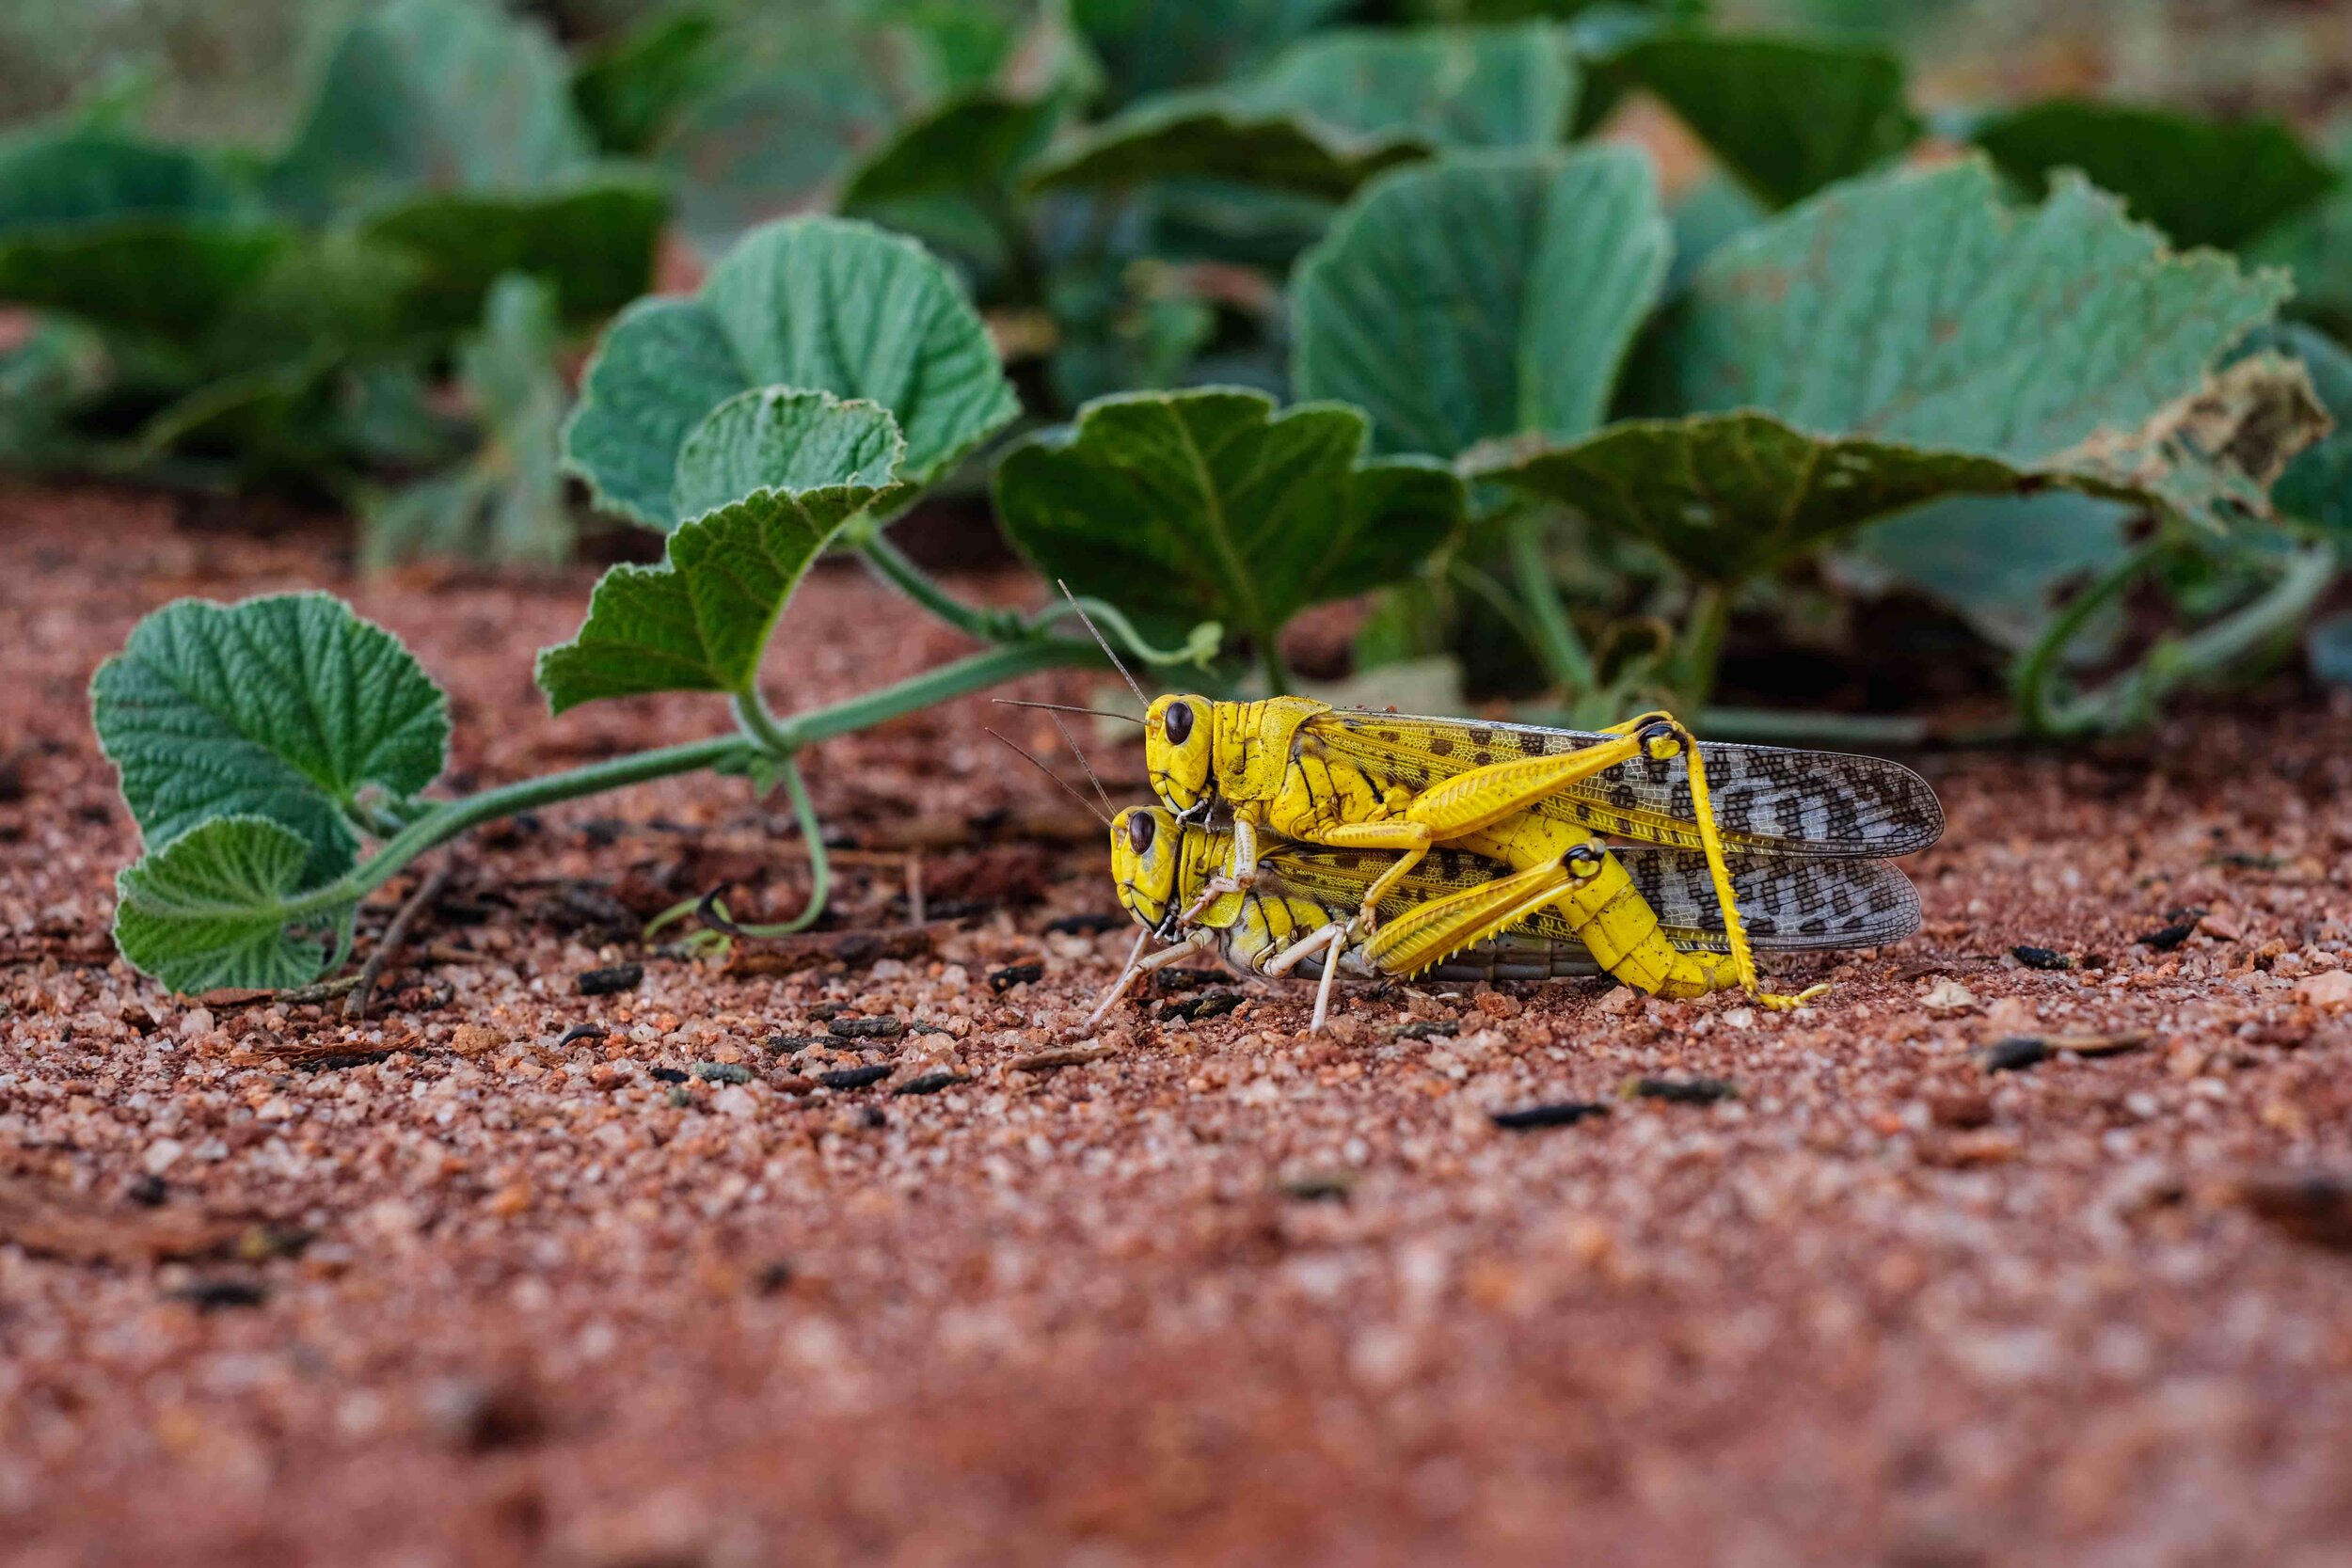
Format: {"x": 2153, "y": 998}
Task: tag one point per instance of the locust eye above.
{"x": 1140, "y": 831}
{"x": 1179, "y": 724}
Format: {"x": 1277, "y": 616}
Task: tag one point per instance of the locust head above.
{"x": 1178, "y": 752}
{"x": 1147, "y": 856}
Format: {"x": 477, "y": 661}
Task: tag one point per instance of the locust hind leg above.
{"x": 1138, "y": 966}
{"x": 1431, "y": 932}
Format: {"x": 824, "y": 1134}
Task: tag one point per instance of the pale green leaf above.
{"x": 2202, "y": 181}
{"x": 1481, "y": 296}
{"x": 1787, "y": 116}
{"x": 1208, "y": 504}
{"x": 814, "y": 303}
{"x": 2000, "y": 562}
{"x": 223, "y": 905}
{"x": 763, "y": 484}
{"x": 286, "y": 707}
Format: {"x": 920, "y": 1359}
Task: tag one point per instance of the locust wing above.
{"x": 1766, "y": 798}
{"x": 1790, "y": 903}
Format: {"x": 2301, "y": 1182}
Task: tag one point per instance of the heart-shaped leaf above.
{"x": 2202, "y": 181}
{"x": 285, "y": 707}
{"x": 224, "y": 905}
{"x": 1483, "y": 295}
{"x": 763, "y": 484}
{"x": 1910, "y": 336}
{"x": 1787, "y": 116}
{"x": 1191, "y": 506}
{"x": 1335, "y": 109}
{"x": 817, "y": 304}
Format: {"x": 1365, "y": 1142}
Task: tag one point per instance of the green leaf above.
{"x": 1337, "y": 108}
{"x": 1481, "y": 296}
{"x": 950, "y": 178}
{"x": 1787, "y": 116}
{"x": 1910, "y": 336}
{"x": 1182, "y": 507}
{"x": 2317, "y": 486}
{"x": 1148, "y": 46}
{"x": 820, "y": 304}
{"x": 764, "y": 482}
{"x": 285, "y": 707}
{"x": 2316, "y": 245}
{"x": 124, "y": 234}
{"x": 440, "y": 95}
{"x": 2202, "y": 181}
{"x": 223, "y": 905}
{"x": 594, "y": 244}
{"x": 2000, "y": 562}
{"x": 505, "y": 505}
{"x": 631, "y": 88}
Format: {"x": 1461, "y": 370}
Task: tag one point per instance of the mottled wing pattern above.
{"x": 1765, "y": 796}
{"x": 1791, "y": 903}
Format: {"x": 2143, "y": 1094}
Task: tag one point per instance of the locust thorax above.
{"x": 1179, "y": 750}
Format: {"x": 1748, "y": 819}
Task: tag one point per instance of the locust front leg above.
{"x": 1138, "y": 966}
{"x": 1240, "y": 873}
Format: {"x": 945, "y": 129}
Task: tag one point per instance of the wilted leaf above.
{"x": 2317, "y": 486}
{"x": 820, "y": 304}
{"x": 1788, "y": 116}
{"x": 1148, "y": 46}
{"x": 1335, "y": 109}
{"x": 285, "y": 707}
{"x": 2202, "y": 181}
{"x": 222, "y": 905}
{"x": 1184, "y": 507}
{"x": 1483, "y": 295}
{"x": 763, "y": 484}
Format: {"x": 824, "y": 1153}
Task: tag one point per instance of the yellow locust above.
{"x": 1534, "y": 800}
{"x": 1455, "y": 915}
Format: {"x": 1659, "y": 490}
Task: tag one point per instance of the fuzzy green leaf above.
{"x": 1337, "y": 108}
{"x": 817, "y": 303}
{"x": 1481, "y": 296}
{"x": 1787, "y": 116}
{"x": 1200, "y": 505}
{"x": 2202, "y": 181}
{"x": 222, "y": 905}
{"x": 285, "y": 707}
{"x": 764, "y": 484}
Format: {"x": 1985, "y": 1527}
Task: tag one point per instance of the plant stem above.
{"x": 819, "y": 867}
{"x": 2044, "y": 709}
{"x": 1565, "y": 659}
{"x": 1700, "y": 646}
{"x": 1278, "y": 679}
{"x": 891, "y": 563}
{"x": 975, "y": 673}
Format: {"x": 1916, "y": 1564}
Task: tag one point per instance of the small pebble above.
{"x": 867, "y": 1028}
{"x": 2014, "y": 1054}
{"x": 578, "y": 1031}
{"x": 666, "y": 1075}
{"x": 722, "y": 1073}
{"x": 2170, "y": 937}
{"x": 1685, "y": 1091}
{"x": 1015, "y": 975}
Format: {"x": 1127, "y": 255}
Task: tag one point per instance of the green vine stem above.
{"x": 2132, "y": 697}
{"x": 1699, "y": 648}
{"x": 819, "y": 864}
{"x": 1565, "y": 659}
{"x": 892, "y": 566}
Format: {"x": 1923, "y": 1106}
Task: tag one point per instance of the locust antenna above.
{"x": 1103, "y": 644}
{"x": 1070, "y": 741}
{"x": 1059, "y": 779}
{"x": 1067, "y": 707}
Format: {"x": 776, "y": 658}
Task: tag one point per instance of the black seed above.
{"x": 604, "y": 982}
{"x": 1085, "y": 925}
{"x": 666, "y": 1075}
{"x": 1216, "y": 1004}
{"x": 1566, "y": 1114}
{"x": 930, "y": 1082}
{"x": 867, "y": 1028}
{"x": 2015, "y": 1053}
{"x": 583, "y": 1032}
{"x": 1686, "y": 1091}
{"x": 211, "y": 1295}
{"x": 722, "y": 1073}
{"x": 2042, "y": 957}
{"x": 791, "y": 1043}
{"x": 853, "y": 1077}
{"x": 2170, "y": 937}
{"x": 1015, "y": 975}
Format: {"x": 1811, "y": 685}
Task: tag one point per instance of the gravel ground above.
{"x": 471, "y": 1283}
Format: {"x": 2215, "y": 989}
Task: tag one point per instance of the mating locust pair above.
{"x": 1390, "y": 846}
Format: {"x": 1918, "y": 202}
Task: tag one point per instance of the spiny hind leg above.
{"x": 1431, "y": 932}
{"x": 1411, "y": 840}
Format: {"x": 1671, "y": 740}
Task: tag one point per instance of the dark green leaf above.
{"x": 1788, "y": 116}
{"x": 1337, "y": 108}
{"x": 2202, "y": 181}
{"x": 950, "y": 178}
{"x": 594, "y": 243}
{"x": 223, "y": 905}
{"x": 2317, "y": 486}
{"x": 822, "y": 304}
{"x": 285, "y": 707}
{"x": 763, "y": 484}
{"x": 2316, "y": 245}
{"x": 2000, "y": 562}
{"x": 1184, "y": 507}
{"x": 630, "y": 89}
{"x": 1148, "y": 46}
{"x": 1483, "y": 295}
